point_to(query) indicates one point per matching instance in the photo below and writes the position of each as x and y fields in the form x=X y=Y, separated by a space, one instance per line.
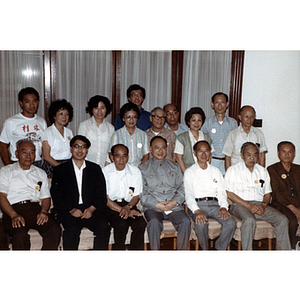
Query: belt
x=24 y=202
x=206 y=199
x=219 y=158
x=119 y=200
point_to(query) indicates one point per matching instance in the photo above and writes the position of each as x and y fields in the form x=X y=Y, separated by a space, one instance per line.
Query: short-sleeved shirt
x=237 y=137
x=60 y=145
x=19 y=127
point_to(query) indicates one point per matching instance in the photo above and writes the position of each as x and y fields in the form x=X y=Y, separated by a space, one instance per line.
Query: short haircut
x=164 y=108
x=248 y=144
x=202 y=141
x=94 y=101
x=26 y=91
x=58 y=105
x=219 y=94
x=155 y=109
x=193 y=111
x=285 y=142
x=20 y=142
x=246 y=106
x=158 y=137
x=135 y=87
x=128 y=107
x=81 y=138
x=113 y=148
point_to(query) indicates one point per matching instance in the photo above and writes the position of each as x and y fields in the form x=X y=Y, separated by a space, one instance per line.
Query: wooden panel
x=116 y=84
x=47 y=84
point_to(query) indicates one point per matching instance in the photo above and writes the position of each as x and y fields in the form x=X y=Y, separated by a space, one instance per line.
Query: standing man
x=124 y=184
x=218 y=127
x=79 y=195
x=244 y=133
x=24 y=125
x=163 y=196
x=158 y=118
x=22 y=188
x=136 y=94
x=172 y=116
x=206 y=198
x=248 y=187
x=285 y=182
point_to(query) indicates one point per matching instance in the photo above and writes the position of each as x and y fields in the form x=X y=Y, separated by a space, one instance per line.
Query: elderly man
x=248 y=187
x=79 y=195
x=22 y=188
x=172 y=116
x=163 y=196
x=244 y=133
x=206 y=198
x=285 y=182
x=158 y=118
x=124 y=184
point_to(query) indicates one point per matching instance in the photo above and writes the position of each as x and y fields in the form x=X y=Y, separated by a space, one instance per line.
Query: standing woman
x=97 y=129
x=56 y=138
x=184 y=154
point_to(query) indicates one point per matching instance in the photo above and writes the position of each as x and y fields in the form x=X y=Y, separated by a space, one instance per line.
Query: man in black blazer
x=79 y=196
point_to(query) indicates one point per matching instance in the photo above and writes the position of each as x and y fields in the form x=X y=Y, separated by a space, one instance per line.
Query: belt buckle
x=119 y=200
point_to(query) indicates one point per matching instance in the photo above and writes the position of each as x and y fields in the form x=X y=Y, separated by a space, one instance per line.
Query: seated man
x=172 y=117
x=124 y=184
x=248 y=187
x=163 y=195
x=79 y=196
x=285 y=180
x=206 y=198
x=158 y=118
x=22 y=187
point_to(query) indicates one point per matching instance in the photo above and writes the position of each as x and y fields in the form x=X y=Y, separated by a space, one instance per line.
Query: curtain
x=151 y=70
x=80 y=76
x=204 y=73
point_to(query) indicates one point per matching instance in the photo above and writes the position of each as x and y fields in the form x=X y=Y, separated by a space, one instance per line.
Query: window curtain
x=151 y=70
x=80 y=76
x=204 y=73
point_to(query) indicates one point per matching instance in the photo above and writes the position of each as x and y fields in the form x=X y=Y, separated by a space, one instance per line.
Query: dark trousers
x=121 y=226
x=3 y=237
x=19 y=237
x=293 y=223
x=97 y=223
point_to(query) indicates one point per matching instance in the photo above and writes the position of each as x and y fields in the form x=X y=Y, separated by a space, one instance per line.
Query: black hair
x=158 y=137
x=26 y=91
x=135 y=87
x=113 y=148
x=193 y=111
x=202 y=141
x=58 y=105
x=94 y=101
x=285 y=142
x=81 y=138
x=219 y=94
x=127 y=107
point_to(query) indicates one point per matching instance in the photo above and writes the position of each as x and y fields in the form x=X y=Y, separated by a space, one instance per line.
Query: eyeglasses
x=130 y=117
x=174 y=113
x=140 y=95
x=79 y=146
x=158 y=117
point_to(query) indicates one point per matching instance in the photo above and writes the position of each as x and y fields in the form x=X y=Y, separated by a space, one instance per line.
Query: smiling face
x=219 y=104
x=79 y=150
x=202 y=153
x=158 y=120
x=130 y=119
x=195 y=122
x=26 y=155
x=136 y=97
x=99 y=112
x=250 y=156
x=62 y=117
x=29 y=105
x=158 y=149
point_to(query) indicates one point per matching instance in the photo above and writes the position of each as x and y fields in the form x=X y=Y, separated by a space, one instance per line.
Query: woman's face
x=62 y=117
x=130 y=119
x=99 y=112
x=195 y=122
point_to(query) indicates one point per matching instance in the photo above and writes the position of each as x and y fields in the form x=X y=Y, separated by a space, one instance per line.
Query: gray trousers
x=179 y=219
x=271 y=215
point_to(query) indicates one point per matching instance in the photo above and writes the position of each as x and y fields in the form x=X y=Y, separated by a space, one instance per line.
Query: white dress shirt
x=249 y=186
x=78 y=174
x=199 y=183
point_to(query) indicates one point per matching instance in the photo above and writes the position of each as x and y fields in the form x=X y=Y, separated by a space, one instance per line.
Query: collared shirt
x=199 y=183
x=20 y=185
x=143 y=122
x=237 y=137
x=60 y=145
x=99 y=138
x=248 y=185
x=137 y=143
x=169 y=135
x=218 y=132
x=124 y=184
x=162 y=181
x=78 y=174
x=19 y=127
x=181 y=128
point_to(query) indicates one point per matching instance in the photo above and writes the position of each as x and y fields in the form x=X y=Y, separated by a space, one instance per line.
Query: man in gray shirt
x=163 y=196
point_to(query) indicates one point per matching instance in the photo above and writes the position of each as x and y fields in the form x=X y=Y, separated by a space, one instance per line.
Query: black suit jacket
x=64 y=188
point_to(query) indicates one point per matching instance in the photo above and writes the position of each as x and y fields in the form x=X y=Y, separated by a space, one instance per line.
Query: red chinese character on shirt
x=36 y=127
x=26 y=128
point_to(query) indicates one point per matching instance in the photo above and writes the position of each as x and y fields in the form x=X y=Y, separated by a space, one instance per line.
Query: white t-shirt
x=19 y=127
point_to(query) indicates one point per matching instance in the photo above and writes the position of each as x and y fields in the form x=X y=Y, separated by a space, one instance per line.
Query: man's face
x=120 y=157
x=202 y=153
x=158 y=119
x=29 y=105
x=79 y=150
x=136 y=97
x=250 y=156
x=220 y=105
x=286 y=153
x=26 y=155
x=159 y=149
x=172 y=114
x=247 y=117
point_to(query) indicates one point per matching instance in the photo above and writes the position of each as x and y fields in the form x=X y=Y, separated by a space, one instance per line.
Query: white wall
x=271 y=85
